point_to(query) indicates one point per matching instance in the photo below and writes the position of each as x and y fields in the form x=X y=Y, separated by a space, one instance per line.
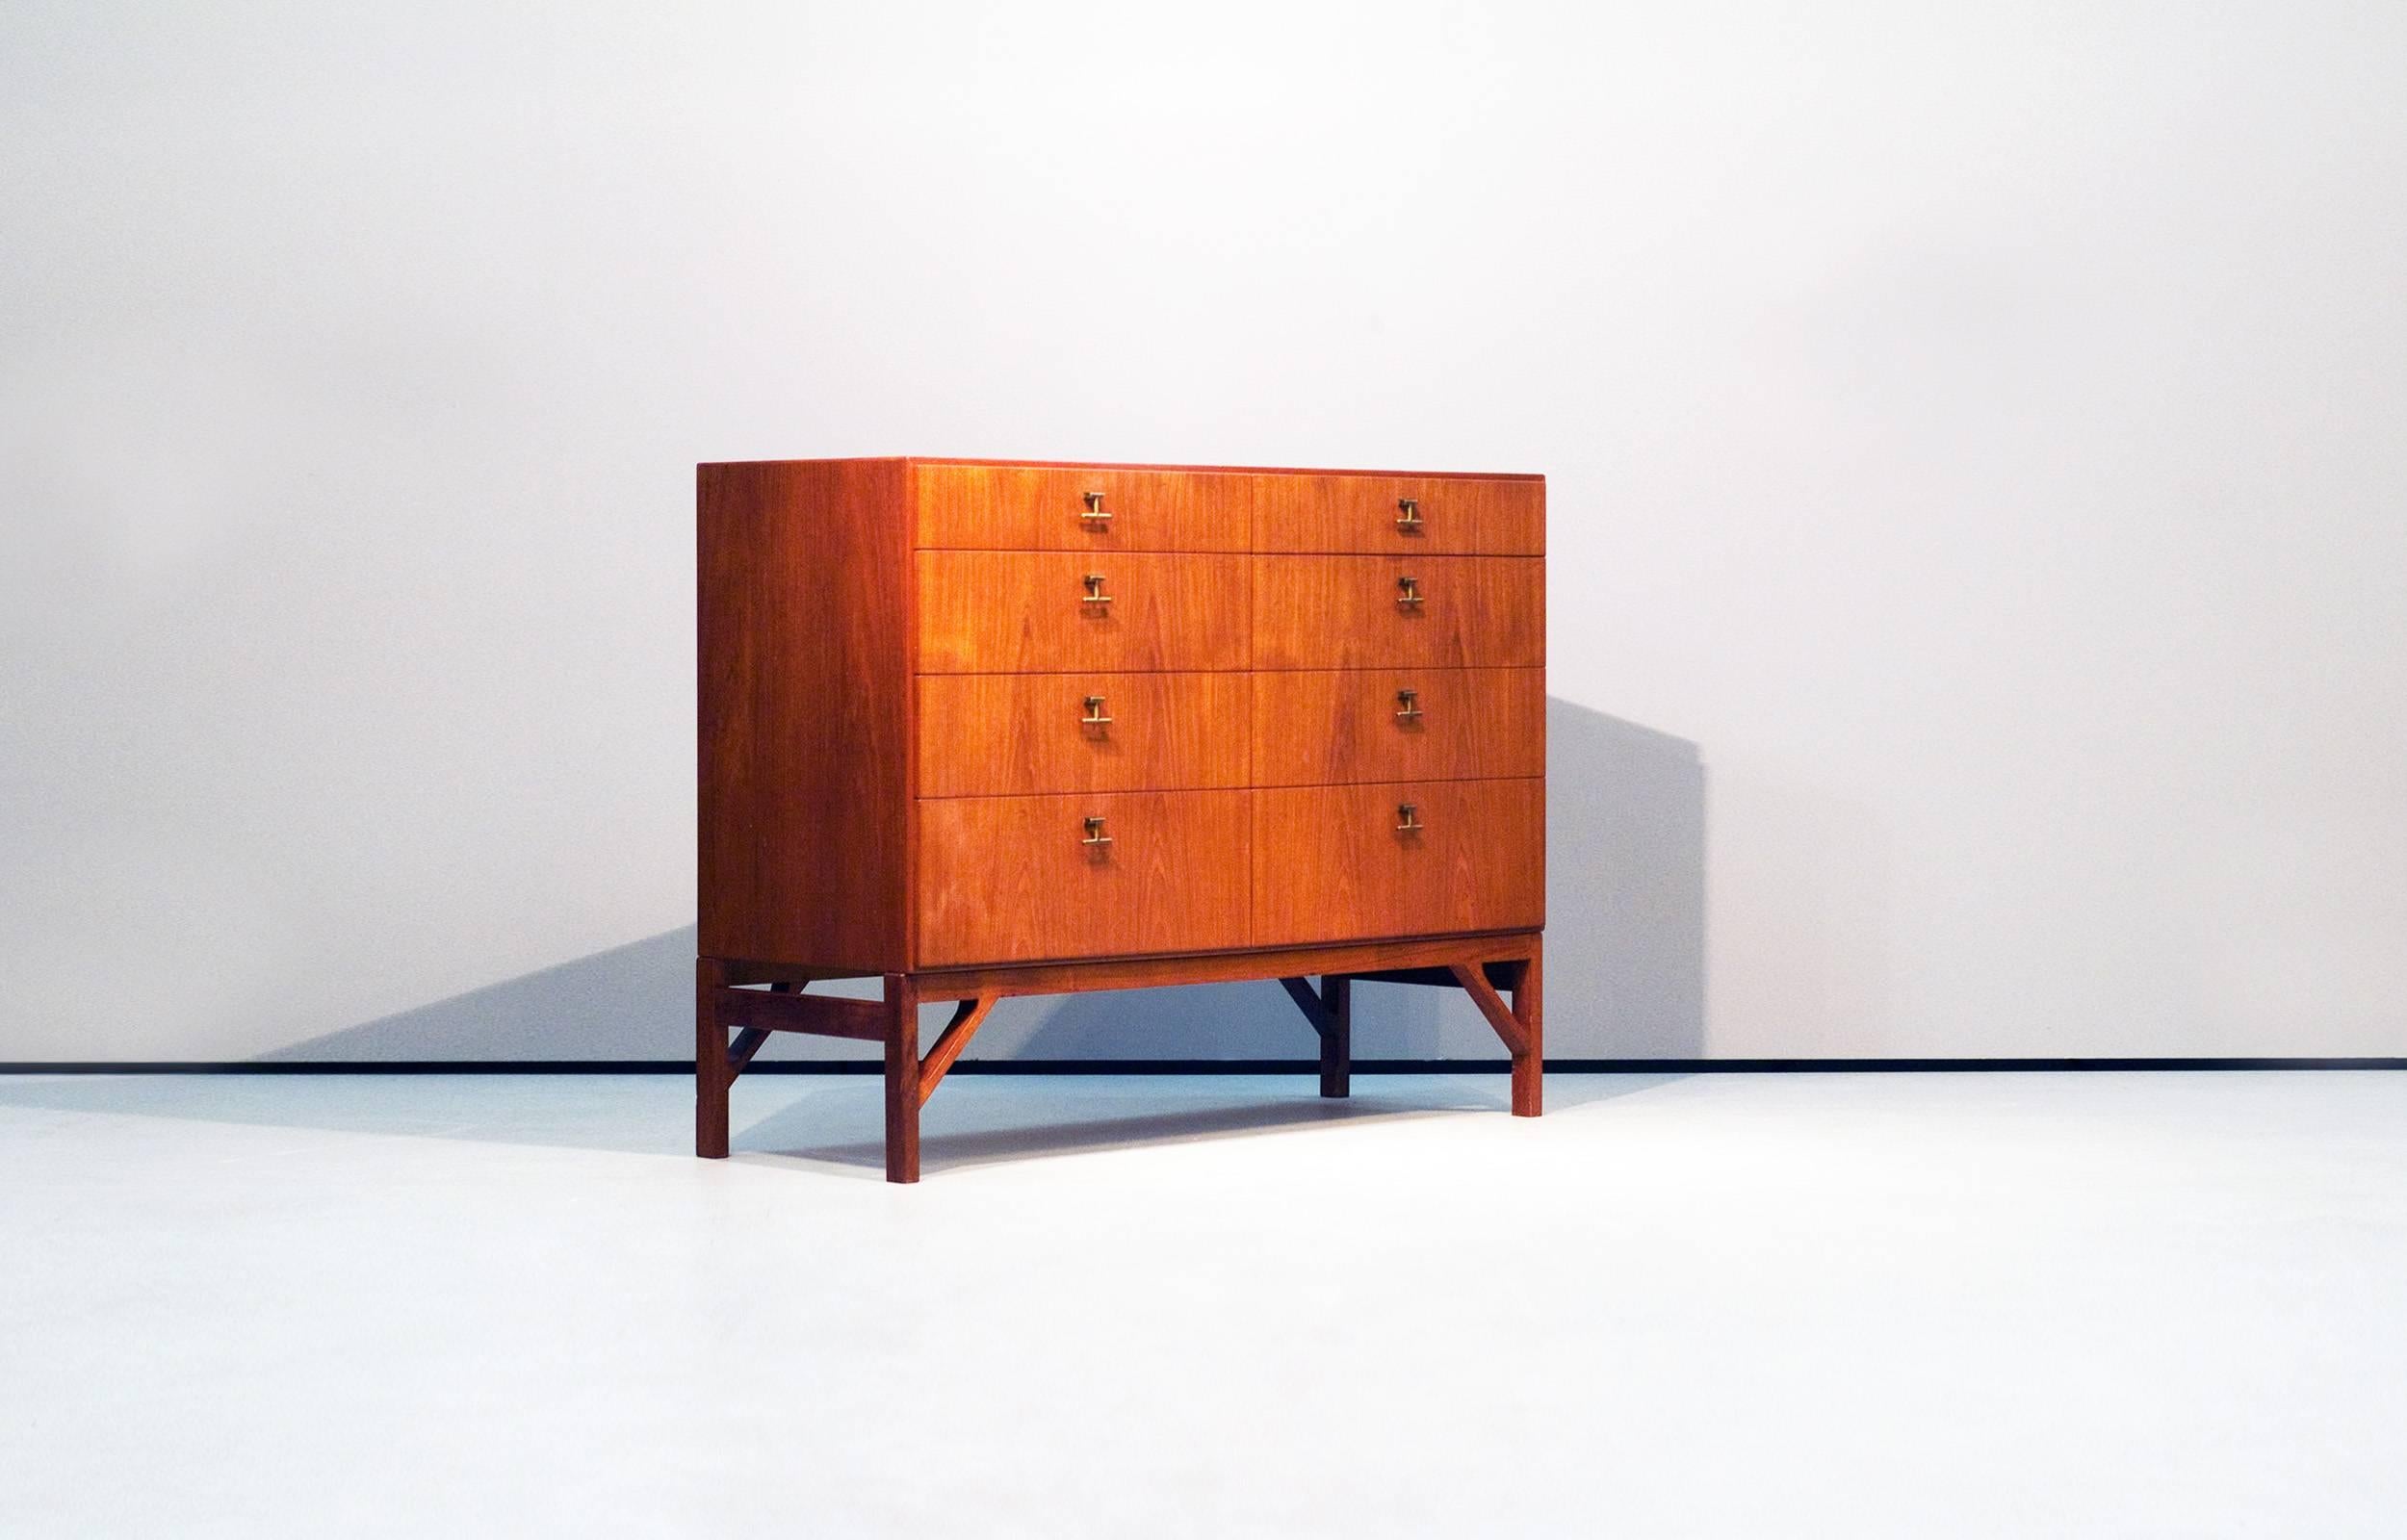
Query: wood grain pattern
x=1009 y=879
x=1529 y=1069
x=1343 y=612
x=1360 y=513
x=1027 y=508
x=712 y=1072
x=902 y=1079
x=1329 y=864
x=895 y=655
x=804 y=648
x=919 y=460
x=1314 y=727
x=1008 y=734
x=1354 y=959
x=823 y=1015
x=1023 y=612
x=747 y=971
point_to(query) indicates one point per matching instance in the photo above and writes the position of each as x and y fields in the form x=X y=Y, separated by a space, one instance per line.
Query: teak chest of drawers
x=985 y=729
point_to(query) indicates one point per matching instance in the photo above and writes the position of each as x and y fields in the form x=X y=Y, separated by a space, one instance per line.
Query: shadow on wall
x=1625 y=961
x=631 y=1002
x=1625 y=939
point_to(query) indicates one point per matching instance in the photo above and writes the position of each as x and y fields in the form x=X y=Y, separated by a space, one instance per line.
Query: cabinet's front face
x=1025 y=734
x=1345 y=727
x=1010 y=507
x=1046 y=613
x=1381 y=514
x=1381 y=611
x=1024 y=879
x=1181 y=711
x=1394 y=859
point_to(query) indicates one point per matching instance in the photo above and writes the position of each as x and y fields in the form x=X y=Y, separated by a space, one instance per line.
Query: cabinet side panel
x=804 y=648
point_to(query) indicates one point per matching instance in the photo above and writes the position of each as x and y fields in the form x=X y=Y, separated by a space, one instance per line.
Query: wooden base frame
x=1499 y=972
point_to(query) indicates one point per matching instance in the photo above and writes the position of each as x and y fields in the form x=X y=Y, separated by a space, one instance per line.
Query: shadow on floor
x=1625 y=961
x=801 y=1132
x=834 y=1121
x=999 y=1120
x=635 y=1115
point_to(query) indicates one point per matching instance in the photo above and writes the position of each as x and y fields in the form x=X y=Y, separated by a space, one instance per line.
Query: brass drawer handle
x=1408 y=592
x=1096 y=717
x=1095 y=838
x=1095 y=513
x=1408 y=515
x=1408 y=818
x=1408 y=707
x=1094 y=594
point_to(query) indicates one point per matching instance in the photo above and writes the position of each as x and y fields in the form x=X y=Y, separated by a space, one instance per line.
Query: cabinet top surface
x=1120 y=465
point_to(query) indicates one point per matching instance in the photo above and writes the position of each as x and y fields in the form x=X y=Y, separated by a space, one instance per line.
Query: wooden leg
x=902 y=1079
x=1337 y=1041
x=1529 y=1066
x=967 y=1016
x=712 y=1072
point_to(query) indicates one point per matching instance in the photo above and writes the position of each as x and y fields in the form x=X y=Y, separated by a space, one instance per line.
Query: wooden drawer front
x=1011 y=879
x=1367 y=513
x=1329 y=863
x=1027 y=612
x=1434 y=724
x=1351 y=612
x=1003 y=735
x=992 y=507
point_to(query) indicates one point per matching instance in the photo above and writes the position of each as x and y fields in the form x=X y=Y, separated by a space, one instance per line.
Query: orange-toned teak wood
x=981 y=729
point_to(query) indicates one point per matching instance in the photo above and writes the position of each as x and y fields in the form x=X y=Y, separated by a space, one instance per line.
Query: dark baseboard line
x=1206 y=1067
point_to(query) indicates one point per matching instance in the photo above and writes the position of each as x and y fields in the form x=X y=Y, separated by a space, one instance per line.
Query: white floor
x=1925 y=1305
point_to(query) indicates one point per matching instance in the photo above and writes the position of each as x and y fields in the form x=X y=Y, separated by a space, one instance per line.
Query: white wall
x=1980 y=431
